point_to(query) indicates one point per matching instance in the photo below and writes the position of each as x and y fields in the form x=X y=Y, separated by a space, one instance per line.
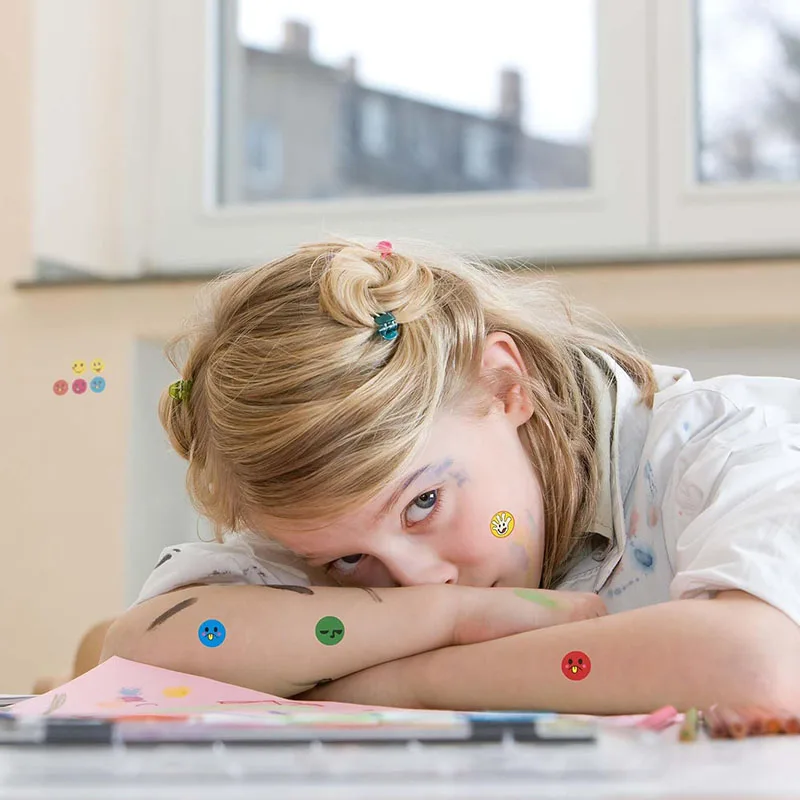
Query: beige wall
x=64 y=465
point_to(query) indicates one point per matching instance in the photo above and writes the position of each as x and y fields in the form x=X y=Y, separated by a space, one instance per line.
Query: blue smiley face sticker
x=97 y=384
x=211 y=633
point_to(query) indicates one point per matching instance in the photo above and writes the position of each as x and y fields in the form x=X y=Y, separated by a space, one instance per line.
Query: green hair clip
x=387 y=326
x=180 y=390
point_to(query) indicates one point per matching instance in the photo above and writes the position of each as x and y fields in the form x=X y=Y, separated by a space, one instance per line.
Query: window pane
x=415 y=98
x=748 y=90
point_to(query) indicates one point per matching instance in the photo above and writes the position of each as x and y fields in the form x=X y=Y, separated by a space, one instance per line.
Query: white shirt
x=698 y=495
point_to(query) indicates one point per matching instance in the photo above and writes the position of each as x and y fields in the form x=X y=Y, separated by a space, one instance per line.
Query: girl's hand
x=496 y=612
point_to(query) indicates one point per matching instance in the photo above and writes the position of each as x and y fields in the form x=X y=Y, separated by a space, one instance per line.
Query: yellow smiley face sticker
x=98 y=365
x=78 y=367
x=502 y=524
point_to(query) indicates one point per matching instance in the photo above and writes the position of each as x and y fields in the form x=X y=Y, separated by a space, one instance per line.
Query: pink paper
x=119 y=687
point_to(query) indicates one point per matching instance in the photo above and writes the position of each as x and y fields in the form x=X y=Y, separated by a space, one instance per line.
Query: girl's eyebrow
x=402 y=486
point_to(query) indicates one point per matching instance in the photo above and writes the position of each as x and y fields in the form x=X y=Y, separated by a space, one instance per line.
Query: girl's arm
x=733 y=650
x=275 y=639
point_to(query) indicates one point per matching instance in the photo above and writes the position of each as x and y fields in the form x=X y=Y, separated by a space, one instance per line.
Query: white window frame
x=751 y=218
x=188 y=232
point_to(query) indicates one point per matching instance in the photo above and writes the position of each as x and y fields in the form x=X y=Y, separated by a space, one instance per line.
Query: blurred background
x=646 y=152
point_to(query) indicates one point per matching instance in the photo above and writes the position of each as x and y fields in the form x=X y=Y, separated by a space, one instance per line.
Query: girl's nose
x=421 y=573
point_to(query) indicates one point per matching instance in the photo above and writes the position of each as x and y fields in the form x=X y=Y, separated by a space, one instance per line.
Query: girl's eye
x=346 y=564
x=421 y=508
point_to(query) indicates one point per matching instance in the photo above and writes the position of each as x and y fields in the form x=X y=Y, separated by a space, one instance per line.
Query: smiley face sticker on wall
x=79 y=386
x=79 y=367
x=502 y=524
x=329 y=630
x=60 y=387
x=98 y=365
x=97 y=384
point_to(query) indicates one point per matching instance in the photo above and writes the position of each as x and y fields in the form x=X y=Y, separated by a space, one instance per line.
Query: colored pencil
x=736 y=724
x=772 y=724
x=789 y=722
x=715 y=725
x=755 y=718
x=660 y=719
x=688 y=731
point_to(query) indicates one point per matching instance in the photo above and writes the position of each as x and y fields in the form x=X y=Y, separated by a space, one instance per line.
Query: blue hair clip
x=387 y=326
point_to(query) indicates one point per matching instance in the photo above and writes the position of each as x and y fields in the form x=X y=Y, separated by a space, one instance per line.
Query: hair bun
x=358 y=283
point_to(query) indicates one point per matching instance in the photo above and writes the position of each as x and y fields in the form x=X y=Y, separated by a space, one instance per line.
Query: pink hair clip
x=384 y=248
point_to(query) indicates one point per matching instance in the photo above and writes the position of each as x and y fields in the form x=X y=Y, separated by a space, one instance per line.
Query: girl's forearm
x=285 y=639
x=733 y=650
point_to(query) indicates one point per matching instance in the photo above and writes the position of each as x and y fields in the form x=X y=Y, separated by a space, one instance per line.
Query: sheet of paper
x=119 y=687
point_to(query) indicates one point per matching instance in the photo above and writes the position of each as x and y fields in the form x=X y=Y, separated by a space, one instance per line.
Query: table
x=621 y=764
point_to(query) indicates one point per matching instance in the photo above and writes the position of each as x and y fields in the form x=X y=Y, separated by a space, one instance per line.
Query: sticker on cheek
x=502 y=524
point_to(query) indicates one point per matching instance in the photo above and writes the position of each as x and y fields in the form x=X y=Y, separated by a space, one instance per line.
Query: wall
x=89 y=490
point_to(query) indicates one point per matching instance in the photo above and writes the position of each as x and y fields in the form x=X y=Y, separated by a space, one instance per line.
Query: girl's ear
x=500 y=352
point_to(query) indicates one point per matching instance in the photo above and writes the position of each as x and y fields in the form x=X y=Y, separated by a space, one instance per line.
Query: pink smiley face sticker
x=79 y=386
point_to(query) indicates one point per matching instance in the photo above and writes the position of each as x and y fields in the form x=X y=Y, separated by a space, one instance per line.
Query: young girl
x=452 y=473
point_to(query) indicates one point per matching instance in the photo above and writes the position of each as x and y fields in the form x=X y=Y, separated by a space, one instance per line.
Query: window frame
x=723 y=220
x=189 y=232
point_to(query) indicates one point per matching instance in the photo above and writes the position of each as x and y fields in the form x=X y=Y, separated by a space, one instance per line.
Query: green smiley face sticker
x=329 y=630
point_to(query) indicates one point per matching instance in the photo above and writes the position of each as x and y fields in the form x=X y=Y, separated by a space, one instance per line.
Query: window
x=511 y=111
x=577 y=130
x=264 y=159
x=374 y=127
x=727 y=141
x=748 y=90
x=479 y=152
x=505 y=144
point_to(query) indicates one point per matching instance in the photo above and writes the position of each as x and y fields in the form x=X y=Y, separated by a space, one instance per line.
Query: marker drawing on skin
x=289 y=588
x=170 y=612
x=371 y=592
x=535 y=597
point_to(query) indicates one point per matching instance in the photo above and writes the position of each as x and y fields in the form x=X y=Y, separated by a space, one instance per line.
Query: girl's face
x=442 y=522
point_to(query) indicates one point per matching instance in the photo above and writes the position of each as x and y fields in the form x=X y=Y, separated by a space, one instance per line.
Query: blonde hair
x=299 y=409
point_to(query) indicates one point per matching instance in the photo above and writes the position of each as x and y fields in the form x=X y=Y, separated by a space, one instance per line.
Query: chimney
x=511 y=96
x=297 y=38
x=350 y=69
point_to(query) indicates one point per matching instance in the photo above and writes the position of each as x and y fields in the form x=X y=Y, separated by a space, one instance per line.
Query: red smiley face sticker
x=60 y=387
x=576 y=665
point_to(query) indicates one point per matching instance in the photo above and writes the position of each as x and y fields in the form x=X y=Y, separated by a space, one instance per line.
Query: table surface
x=620 y=764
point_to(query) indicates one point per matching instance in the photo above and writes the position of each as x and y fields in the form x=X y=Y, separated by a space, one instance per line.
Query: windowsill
x=57 y=275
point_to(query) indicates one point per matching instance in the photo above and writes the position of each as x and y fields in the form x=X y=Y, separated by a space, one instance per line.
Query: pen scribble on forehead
x=170 y=612
x=442 y=466
x=460 y=477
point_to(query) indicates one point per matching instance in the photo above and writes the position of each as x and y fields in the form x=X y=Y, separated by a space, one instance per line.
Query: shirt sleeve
x=241 y=559
x=741 y=496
